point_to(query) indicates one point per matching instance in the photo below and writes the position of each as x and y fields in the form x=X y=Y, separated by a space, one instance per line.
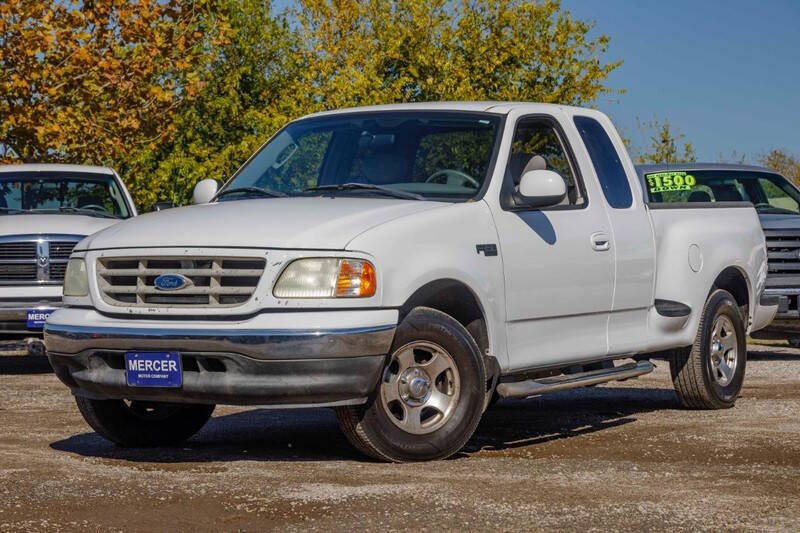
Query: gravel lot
x=621 y=456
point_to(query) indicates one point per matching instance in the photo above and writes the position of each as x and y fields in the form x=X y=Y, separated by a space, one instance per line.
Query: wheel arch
x=455 y=298
x=735 y=280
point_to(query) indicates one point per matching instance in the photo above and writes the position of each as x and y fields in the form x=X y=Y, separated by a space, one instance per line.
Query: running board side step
x=534 y=387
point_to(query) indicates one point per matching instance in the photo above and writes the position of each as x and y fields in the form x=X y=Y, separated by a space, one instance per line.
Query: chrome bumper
x=257 y=344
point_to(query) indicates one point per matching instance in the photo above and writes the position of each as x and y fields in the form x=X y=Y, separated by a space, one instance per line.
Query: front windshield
x=62 y=193
x=770 y=193
x=440 y=155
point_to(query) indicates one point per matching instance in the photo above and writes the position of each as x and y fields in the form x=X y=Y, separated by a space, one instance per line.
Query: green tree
x=359 y=52
x=238 y=107
x=665 y=146
x=785 y=163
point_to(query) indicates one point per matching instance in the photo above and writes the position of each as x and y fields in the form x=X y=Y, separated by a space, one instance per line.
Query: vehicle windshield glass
x=440 y=155
x=61 y=192
x=770 y=193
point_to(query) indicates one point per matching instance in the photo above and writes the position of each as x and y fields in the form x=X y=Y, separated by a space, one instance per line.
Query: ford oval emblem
x=171 y=282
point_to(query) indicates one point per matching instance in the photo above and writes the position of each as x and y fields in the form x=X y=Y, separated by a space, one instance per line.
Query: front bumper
x=326 y=358
x=786 y=323
x=13 y=315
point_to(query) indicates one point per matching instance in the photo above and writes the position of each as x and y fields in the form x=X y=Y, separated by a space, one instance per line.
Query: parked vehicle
x=401 y=264
x=777 y=202
x=44 y=211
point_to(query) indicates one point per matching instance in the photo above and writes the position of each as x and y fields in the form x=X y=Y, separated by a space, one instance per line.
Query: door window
x=537 y=146
x=606 y=163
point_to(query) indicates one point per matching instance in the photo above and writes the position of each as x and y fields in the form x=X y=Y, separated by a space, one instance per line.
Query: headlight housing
x=327 y=277
x=76 y=281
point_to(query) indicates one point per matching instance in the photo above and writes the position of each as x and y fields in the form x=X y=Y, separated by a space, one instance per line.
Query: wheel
x=709 y=374
x=141 y=424
x=431 y=395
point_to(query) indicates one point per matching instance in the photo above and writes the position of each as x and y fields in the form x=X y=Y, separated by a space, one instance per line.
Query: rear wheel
x=709 y=374
x=142 y=424
x=430 y=397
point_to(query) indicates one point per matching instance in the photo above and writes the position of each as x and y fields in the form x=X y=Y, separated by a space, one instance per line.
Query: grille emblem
x=43 y=260
x=171 y=282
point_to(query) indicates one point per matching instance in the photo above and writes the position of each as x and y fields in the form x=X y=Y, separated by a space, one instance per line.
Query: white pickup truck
x=44 y=211
x=403 y=264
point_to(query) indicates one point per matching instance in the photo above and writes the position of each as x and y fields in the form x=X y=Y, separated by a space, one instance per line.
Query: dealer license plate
x=153 y=369
x=34 y=318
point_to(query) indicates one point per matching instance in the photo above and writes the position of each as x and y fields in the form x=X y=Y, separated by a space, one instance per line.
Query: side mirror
x=160 y=206
x=542 y=188
x=204 y=191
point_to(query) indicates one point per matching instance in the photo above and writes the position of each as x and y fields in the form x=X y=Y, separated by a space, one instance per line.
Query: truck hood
x=321 y=223
x=25 y=224
x=783 y=221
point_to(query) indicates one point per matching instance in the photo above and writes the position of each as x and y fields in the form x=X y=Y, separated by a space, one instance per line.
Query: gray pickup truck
x=777 y=202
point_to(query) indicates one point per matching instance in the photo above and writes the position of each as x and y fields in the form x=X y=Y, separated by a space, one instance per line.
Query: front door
x=558 y=262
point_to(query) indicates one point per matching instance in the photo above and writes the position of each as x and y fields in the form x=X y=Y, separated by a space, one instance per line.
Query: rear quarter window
x=606 y=161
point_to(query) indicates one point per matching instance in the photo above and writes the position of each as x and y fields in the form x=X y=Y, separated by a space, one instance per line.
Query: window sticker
x=670 y=181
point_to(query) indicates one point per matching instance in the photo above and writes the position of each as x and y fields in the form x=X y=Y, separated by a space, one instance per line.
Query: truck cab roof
x=48 y=167
x=489 y=106
x=666 y=167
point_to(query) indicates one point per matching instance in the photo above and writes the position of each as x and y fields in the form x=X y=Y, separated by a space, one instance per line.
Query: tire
x=491 y=369
x=699 y=379
x=143 y=424
x=398 y=424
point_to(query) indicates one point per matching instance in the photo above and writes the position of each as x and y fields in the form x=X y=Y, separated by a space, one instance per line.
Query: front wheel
x=430 y=397
x=709 y=374
x=138 y=424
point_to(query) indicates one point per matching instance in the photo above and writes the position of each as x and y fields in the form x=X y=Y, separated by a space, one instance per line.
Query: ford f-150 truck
x=777 y=202
x=44 y=211
x=402 y=264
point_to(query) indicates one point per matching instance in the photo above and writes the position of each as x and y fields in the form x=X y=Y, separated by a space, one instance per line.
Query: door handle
x=601 y=241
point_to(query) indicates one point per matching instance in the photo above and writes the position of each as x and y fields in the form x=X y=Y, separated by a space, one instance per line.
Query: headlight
x=76 y=282
x=327 y=277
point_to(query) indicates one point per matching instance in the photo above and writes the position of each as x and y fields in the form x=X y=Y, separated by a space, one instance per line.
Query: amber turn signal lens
x=356 y=279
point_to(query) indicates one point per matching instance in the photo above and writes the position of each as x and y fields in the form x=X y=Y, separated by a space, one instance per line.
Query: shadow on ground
x=24 y=364
x=780 y=354
x=313 y=434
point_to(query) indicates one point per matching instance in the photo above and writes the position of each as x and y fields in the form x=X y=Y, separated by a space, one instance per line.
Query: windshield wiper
x=84 y=211
x=367 y=187
x=251 y=190
x=11 y=210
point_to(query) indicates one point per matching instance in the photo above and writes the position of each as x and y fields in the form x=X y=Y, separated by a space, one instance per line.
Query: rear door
x=634 y=246
x=558 y=262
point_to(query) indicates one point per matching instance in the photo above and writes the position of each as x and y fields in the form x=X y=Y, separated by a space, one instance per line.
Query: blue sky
x=725 y=73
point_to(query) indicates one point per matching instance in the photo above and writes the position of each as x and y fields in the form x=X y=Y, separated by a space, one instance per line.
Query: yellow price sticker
x=670 y=181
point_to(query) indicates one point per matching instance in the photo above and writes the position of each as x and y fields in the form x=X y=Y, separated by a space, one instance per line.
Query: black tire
x=477 y=329
x=371 y=430
x=692 y=368
x=143 y=424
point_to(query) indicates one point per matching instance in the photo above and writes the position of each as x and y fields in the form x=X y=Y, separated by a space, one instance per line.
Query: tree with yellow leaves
x=89 y=81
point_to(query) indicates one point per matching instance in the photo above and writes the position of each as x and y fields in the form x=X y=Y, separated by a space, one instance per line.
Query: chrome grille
x=35 y=259
x=61 y=249
x=17 y=250
x=213 y=281
x=783 y=258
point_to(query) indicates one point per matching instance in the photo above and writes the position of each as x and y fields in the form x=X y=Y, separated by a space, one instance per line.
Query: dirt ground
x=615 y=457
